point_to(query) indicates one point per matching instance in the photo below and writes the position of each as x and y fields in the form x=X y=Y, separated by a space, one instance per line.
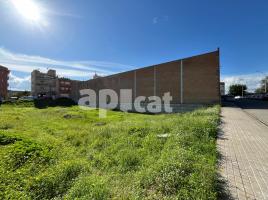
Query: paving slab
x=243 y=145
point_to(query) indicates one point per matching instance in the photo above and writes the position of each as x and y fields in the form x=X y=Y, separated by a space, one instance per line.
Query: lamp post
x=265 y=83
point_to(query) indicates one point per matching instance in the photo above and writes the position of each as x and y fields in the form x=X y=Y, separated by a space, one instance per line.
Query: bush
x=19 y=103
x=48 y=102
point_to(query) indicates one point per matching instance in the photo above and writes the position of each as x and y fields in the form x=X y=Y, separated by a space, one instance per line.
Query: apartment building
x=44 y=84
x=49 y=84
x=4 y=72
x=64 y=87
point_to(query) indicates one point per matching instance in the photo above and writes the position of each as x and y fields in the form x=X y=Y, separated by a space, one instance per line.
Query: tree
x=19 y=93
x=237 y=90
x=264 y=86
x=259 y=90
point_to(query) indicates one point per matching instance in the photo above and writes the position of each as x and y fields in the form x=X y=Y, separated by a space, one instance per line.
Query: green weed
x=69 y=153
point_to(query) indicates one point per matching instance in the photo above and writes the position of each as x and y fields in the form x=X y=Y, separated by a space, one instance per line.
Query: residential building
x=44 y=84
x=64 y=87
x=4 y=72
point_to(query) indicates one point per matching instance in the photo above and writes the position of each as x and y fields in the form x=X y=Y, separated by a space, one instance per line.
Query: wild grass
x=69 y=153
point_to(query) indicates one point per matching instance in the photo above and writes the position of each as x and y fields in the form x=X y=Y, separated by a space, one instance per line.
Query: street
x=256 y=108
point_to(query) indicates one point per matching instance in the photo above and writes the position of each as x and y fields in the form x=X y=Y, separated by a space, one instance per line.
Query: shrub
x=48 y=102
x=19 y=103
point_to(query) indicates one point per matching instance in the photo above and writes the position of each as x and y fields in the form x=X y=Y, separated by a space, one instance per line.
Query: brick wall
x=193 y=80
x=3 y=81
x=201 y=79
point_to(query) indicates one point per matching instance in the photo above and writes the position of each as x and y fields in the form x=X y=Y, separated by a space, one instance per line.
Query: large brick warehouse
x=192 y=81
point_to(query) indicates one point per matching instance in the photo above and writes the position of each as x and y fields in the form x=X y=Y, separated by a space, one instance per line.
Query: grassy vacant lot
x=69 y=153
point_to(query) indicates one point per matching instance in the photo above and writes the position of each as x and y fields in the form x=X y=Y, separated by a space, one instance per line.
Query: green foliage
x=129 y=159
x=237 y=90
x=45 y=103
x=22 y=151
x=20 y=93
x=69 y=153
x=264 y=84
x=89 y=187
x=167 y=178
x=19 y=103
x=56 y=181
x=5 y=140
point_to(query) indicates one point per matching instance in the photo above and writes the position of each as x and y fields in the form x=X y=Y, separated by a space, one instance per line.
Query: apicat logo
x=109 y=99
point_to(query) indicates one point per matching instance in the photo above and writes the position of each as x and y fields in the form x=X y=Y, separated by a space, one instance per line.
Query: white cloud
x=251 y=80
x=17 y=83
x=157 y=20
x=60 y=71
x=9 y=58
x=77 y=69
x=63 y=14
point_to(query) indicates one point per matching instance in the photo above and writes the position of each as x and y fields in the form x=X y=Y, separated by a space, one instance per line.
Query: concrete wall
x=192 y=81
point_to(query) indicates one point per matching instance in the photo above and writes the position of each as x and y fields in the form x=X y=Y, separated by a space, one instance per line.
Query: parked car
x=13 y=99
x=238 y=97
x=27 y=98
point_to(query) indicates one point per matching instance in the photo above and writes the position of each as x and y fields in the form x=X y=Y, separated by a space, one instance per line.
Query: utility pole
x=241 y=82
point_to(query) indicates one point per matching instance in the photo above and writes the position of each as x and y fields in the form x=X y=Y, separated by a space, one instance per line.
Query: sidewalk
x=243 y=145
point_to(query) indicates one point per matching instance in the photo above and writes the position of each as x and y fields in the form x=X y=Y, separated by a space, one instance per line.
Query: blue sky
x=80 y=37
